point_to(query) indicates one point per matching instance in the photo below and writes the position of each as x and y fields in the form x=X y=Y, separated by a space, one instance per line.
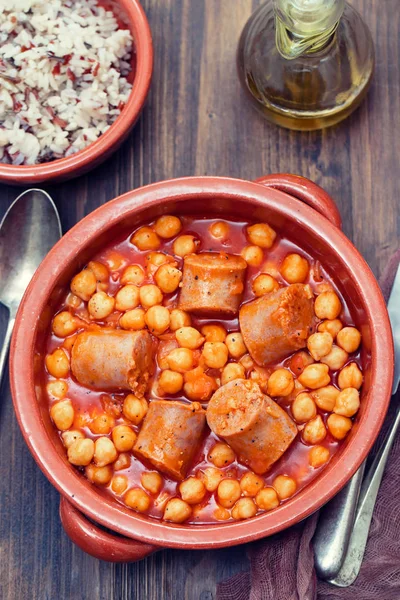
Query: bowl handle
x=97 y=542
x=305 y=190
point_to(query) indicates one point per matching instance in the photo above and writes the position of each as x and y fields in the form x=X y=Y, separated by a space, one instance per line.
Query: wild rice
x=63 y=77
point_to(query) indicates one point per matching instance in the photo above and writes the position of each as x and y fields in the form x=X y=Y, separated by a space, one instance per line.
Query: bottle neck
x=305 y=26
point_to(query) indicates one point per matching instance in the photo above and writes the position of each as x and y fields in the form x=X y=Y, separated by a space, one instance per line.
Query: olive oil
x=307 y=64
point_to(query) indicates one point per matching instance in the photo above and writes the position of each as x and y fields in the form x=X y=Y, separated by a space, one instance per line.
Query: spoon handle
x=6 y=345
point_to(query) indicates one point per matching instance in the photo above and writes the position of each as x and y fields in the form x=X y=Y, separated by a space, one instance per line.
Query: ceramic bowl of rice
x=74 y=75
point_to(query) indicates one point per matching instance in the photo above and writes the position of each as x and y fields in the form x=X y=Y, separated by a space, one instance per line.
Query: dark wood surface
x=197 y=121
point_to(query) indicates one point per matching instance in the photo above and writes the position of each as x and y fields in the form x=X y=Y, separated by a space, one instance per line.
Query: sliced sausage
x=170 y=436
x=278 y=323
x=255 y=426
x=110 y=359
x=212 y=283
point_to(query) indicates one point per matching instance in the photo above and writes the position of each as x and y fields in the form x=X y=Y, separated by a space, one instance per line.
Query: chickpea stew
x=200 y=370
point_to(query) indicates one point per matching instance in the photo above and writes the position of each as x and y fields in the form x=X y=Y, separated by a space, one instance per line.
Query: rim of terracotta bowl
x=94 y=153
x=106 y=511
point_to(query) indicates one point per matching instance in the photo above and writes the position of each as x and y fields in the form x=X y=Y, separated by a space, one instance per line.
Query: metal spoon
x=28 y=230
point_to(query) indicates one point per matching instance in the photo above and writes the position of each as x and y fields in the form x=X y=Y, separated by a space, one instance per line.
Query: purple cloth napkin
x=282 y=566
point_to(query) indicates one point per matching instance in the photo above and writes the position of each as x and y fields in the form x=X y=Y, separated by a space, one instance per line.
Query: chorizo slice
x=212 y=283
x=113 y=359
x=255 y=426
x=170 y=436
x=278 y=323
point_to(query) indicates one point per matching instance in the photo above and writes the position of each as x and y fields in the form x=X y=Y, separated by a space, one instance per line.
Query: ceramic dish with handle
x=290 y=204
x=129 y=14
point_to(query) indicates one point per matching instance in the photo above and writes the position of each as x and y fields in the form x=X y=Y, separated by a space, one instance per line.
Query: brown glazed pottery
x=290 y=204
x=130 y=15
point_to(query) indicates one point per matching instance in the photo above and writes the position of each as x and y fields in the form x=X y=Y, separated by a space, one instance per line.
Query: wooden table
x=198 y=122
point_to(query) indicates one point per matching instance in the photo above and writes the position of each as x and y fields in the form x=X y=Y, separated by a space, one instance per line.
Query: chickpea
x=267 y=499
x=295 y=268
x=73 y=301
x=219 y=230
x=133 y=319
x=215 y=354
x=102 y=424
x=327 y=306
x=314 y=431
x=253 y=255
x=228 y=492
x=177 y=511
x=232 y=371
x=349 y=338
x=81 y=452
x=303 y=408
x=134 y=409
x=84 y=284
x=167 y=226
x=123 y=438
x=319 y=344
x=325 y=397
x=247 y=362
x=350 y=376
x=180 y=360
x=285 y=486
x=101 y=305
x=57 y=363
x=137 y=499
x=331 y=326
x=315 y=376
x=157 y=319
x=127 y=297
x=99 y=475
x=214 y=333
x=145 y=239
x=251 y=484
x=189 y=337
x=336 y=358
x=133 y=274
x=185 y=244
x=152 y=482
x=199 y=386
x=69 y=342
x=168 y=278
x=318 y=456
x=150 y=295
x=261 y=235
x=280 y=383
x=71 y=436
x=104 y=452
x=212 y=477
x=264 y=284
x=123 y=462
x=64 y=324
x=244 y=509
x=99 y=270
x=339 y=426
x=179 y=319
x=192 y=490
x=299 y=361
x=115 y=261
x=235 y=344
x=221 y=514
x=221 y=455
x=57 y=389
x=63 y=414
x=171 y=382
x=119 y=484
x=347 y=402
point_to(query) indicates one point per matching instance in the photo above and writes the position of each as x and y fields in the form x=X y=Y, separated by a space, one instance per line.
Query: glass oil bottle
x=307 y=64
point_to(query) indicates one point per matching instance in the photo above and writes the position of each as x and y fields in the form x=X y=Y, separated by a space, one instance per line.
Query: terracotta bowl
x=130 y=14
x=292 y=205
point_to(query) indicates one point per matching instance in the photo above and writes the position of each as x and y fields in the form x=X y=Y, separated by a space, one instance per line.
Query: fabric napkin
x=282 y=566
